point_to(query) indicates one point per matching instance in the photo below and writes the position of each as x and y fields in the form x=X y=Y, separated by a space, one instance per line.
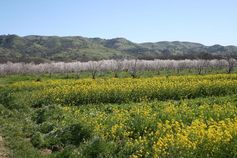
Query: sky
x=204 y=21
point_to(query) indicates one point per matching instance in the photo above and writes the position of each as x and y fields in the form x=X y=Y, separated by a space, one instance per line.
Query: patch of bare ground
x=3 y=150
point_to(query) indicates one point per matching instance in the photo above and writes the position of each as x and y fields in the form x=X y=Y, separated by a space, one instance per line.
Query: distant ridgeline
x=40 y=49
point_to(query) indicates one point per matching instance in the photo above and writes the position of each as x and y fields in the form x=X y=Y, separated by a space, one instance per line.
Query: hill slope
x=44 y=48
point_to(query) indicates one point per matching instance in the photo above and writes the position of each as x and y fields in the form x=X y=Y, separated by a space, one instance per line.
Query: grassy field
x=165 y=116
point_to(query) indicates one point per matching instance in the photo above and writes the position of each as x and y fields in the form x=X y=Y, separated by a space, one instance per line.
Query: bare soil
x=3 y=150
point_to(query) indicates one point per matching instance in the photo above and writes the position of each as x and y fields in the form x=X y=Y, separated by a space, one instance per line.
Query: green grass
x=8 y=79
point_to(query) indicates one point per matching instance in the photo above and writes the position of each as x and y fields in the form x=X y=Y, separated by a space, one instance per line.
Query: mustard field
x=89 y=91
x=170 y=116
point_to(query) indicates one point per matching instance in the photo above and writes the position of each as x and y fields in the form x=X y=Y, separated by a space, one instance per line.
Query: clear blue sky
x=205 y=21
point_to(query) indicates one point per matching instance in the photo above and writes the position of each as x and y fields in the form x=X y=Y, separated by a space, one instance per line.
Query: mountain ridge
x=36 y=48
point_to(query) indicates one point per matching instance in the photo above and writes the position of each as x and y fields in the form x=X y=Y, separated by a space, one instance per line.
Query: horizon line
x=171 y=41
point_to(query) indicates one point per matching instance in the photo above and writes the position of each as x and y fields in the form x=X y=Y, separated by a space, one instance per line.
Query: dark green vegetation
x=55 y=129
x=44 y=48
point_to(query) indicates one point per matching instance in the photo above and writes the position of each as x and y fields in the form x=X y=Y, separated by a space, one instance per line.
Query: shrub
x=38 y=140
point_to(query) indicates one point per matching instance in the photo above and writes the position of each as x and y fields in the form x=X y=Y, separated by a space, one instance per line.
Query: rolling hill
x=70 y=48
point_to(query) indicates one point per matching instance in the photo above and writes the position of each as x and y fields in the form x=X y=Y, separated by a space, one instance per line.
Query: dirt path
x=3 y=150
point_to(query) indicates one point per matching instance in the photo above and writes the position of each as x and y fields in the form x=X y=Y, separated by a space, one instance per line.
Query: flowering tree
x=116 y=66
x=231 y=63
x=94 y=67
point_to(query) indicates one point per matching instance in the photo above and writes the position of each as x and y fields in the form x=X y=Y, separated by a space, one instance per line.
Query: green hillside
x=45 y=48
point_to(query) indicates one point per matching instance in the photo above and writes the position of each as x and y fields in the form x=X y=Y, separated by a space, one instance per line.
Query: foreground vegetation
x=169 y=116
